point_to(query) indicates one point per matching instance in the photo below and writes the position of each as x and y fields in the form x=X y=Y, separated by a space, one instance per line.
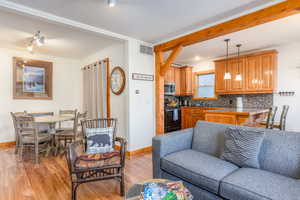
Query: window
x=204 y=85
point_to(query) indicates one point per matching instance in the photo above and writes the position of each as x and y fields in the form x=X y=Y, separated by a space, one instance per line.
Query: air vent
x=146 y=50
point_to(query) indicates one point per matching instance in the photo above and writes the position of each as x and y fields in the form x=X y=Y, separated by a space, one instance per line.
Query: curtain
x=95 y=89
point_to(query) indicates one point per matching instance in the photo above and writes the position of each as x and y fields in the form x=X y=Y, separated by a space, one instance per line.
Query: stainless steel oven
x=170 y=89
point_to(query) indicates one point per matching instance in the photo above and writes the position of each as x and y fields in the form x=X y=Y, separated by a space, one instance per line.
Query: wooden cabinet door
x=169 y=76
x=236 y=67
x=177 y=79
x=220 y=118
x=185 y=118
x=268 y=70
x=186 y=81
x=253 y=71
x=220 y=83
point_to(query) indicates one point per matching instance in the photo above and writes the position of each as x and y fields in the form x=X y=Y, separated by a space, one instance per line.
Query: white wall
x=119 y=107
x=141 y=106
x=66 y=90
x=135 y=112
x=289 y=80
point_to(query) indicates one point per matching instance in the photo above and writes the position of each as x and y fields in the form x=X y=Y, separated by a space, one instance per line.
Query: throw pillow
x=242 y=147
x=99 y=140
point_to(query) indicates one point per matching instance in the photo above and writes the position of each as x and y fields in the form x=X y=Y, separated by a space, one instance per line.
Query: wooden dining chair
x=84 y=168
x=44 y=128
x=281 y=125
x=30 y=139
x=66 y=112
x=70 y=135
x=270 y=119
x=14 y=118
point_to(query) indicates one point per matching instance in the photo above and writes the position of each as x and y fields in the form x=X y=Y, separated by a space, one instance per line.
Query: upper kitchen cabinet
x=258 y=72
x=261 y=72
x=177 y=78
x=186 y=85
x=221 y=83
x=169 y=75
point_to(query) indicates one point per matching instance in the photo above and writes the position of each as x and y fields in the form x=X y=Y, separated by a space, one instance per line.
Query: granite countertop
x=240 y=111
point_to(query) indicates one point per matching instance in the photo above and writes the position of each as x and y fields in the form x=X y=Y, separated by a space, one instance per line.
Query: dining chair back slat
x=271 y=117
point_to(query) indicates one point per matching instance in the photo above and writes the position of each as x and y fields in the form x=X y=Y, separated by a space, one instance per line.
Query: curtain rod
x=97 y=62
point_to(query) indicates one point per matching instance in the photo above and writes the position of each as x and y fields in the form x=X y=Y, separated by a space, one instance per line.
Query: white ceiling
x=62 y=41
x=148 y=20
x=270 y=35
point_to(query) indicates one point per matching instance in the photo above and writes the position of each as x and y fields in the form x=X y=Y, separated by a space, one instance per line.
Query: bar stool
x=282 y=123
x=270 y=119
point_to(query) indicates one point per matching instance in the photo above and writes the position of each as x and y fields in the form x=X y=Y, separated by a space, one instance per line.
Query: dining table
x=51 y=120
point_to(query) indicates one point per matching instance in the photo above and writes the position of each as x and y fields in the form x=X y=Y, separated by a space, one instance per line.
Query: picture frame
x=142 y=77
x=32 y=79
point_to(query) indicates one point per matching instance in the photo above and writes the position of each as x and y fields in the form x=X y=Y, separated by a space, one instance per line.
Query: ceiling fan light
x=111 y=3
x=227 y=76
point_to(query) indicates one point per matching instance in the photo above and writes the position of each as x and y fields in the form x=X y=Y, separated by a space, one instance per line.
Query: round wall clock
x=117 y=80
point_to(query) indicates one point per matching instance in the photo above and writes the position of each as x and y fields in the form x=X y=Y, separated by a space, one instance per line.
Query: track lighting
x=111 y=3
x=37 y=39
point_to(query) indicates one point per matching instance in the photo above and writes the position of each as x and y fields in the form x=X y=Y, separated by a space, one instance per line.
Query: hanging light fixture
x=111 y=3
x=238 y=76
x=227 y=74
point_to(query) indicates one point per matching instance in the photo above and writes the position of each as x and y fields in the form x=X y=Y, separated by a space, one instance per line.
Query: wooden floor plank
x=49 y=180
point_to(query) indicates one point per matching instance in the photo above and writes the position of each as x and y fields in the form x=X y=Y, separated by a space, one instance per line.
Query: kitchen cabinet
x=169 y=75
x=244 y=117
x=190 y=116
x=177 y=79
x=258 y=71
x=221 y=83
x=186 y=76
x=262 y=72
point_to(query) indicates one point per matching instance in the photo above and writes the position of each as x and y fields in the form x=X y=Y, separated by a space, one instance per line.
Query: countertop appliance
x=172 y=119
x=170 y=89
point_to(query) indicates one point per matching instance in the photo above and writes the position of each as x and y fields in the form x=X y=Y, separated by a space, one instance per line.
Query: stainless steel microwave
x=170 y=89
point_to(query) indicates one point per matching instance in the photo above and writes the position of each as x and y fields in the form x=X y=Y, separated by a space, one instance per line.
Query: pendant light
x=238 y=76
x=111 y=3
x=227 y=74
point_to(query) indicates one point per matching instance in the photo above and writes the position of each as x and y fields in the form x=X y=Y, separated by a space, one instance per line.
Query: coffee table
x=134 y=192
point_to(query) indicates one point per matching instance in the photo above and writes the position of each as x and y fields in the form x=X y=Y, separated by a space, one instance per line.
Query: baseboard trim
x=7 y=144
x=130 y=154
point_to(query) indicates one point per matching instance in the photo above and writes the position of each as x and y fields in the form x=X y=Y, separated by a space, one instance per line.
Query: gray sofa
x=192 y=155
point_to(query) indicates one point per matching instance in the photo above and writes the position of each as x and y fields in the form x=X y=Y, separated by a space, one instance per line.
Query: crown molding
x=59 y=20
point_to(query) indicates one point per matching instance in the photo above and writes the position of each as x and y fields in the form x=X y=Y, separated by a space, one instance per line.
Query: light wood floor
x=50 y=179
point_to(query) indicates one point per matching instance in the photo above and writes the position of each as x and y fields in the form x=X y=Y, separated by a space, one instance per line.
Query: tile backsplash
x=249 y=101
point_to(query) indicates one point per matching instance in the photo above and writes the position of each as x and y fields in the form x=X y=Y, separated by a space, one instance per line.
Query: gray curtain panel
x=95 y=90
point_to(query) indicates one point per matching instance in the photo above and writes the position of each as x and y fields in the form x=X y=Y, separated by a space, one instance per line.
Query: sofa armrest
x=169 y=143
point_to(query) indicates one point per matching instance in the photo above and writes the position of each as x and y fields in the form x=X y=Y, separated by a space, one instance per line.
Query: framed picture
x=32 y=79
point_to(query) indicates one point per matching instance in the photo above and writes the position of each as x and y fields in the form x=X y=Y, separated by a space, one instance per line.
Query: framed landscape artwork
x=32 y=79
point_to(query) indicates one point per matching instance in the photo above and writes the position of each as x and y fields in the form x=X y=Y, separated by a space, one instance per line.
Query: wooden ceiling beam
x=170 y=59
x=275 y=12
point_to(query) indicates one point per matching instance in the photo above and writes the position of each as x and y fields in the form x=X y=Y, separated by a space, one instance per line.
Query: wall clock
x=117 y=80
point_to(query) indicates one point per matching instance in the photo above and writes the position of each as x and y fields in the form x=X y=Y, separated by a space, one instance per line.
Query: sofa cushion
x=198 y=168
x=256 y=184
x=242 y=147
x=209 y=138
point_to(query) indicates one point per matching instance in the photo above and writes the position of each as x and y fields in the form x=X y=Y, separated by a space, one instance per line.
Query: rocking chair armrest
x=123 y=148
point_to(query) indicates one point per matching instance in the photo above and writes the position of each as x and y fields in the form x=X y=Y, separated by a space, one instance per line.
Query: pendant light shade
x=111 y=3
x=227 y=75
x=238 y=76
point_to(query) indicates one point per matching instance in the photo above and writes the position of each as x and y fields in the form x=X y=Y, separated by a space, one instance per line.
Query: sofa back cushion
x=280 y=150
